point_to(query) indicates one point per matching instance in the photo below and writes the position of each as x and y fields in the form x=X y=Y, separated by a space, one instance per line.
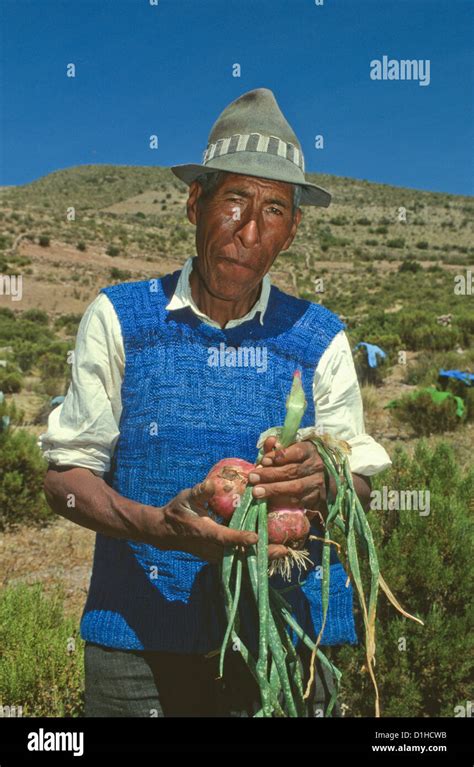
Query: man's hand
x=294 y=477
x=197 y=533
x=173 y=526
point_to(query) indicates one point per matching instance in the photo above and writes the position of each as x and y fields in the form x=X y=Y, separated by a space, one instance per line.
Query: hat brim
x=311 y=194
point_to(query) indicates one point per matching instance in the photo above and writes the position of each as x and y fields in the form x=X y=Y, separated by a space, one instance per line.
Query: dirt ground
x=60 y=553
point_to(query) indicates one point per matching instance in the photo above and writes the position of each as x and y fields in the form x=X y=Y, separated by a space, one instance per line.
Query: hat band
x=254 y=142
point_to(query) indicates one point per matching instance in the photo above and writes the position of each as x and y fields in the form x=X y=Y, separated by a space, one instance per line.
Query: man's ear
x=293 y=230
x=195 y=191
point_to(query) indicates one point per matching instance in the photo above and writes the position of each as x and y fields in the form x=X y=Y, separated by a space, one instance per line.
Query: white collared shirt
x=84 y=429
x=182 y=297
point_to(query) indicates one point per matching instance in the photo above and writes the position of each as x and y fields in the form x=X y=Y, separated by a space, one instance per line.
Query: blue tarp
x=372 y=353
x=466 y=378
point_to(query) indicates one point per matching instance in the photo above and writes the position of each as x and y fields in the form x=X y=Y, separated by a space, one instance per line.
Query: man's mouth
x=236 y=263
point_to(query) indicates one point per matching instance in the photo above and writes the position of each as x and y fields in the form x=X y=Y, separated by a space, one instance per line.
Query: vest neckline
x=167 y=285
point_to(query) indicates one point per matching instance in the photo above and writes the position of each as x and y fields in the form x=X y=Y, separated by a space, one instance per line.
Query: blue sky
x=167 y=70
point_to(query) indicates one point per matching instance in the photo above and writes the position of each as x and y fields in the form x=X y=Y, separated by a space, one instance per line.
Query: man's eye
x=277 y=210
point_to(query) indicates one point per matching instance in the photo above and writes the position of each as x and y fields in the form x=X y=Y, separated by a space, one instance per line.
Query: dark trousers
x=123 y=683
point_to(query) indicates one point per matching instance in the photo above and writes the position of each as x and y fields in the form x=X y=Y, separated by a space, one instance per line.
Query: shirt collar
x=182 y=297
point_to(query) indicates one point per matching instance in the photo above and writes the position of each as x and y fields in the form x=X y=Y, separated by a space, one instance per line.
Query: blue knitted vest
x=189 y=400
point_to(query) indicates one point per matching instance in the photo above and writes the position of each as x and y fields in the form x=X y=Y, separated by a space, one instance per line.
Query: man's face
x=241 y=227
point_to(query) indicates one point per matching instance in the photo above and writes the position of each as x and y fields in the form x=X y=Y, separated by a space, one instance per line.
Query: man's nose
x=248 y=232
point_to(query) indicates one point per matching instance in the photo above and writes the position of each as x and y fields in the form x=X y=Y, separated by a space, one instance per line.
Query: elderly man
x=147 y=415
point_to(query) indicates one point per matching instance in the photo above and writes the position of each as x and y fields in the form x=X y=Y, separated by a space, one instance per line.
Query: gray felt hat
x=252 y=136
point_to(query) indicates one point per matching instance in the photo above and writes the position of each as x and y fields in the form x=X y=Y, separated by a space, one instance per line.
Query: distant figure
x=369 y=375
x=372 y=353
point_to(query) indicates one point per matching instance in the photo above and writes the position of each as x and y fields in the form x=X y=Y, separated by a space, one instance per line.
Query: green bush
x=22 y=471
x=11 y=381
x=5 y=242
x=424 y=416
x=327 y=239
x=119 y=274
x=44 y=240
x=390 y=342
x=418 y=330
x=14 y=414
x=6 y=313
x=81 y=246
x=426 y=562
x=54 y=368
x=410 y=265
x=113 y=250
x=14 y=328
x=459 y=389
x=465 y=324
x=36 y=315
x=70 y=323
x=397 y=242
x=42 y=654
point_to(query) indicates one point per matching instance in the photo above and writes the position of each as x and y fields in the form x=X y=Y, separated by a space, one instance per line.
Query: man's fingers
x=203 y=489
x=262 y=474
x=200 y=494
x=230 y=537
x=296 y=453
x=269 y=444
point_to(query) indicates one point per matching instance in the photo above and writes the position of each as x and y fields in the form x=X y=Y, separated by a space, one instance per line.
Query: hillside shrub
x=425 y=417
x=421 y=671
x=42 y=654
x=11 y=380
x=22 y=470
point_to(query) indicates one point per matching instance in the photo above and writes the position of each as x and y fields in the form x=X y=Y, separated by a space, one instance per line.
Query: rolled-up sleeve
x=84 y=429
x=339 y=407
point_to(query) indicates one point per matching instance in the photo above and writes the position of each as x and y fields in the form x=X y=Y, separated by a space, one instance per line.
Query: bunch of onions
x=287 y=526
x=277 y=669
